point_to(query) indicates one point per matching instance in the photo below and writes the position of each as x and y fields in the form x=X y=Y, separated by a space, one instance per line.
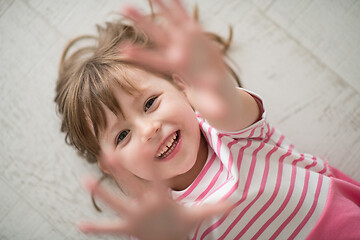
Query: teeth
x=169 y=143
x=166 y=146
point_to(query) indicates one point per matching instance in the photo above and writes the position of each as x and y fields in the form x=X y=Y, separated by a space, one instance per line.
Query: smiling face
x=157 y=130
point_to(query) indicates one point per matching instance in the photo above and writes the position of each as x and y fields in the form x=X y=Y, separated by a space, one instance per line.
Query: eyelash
x=121 y=136
x=151 y=101
x=124 y=133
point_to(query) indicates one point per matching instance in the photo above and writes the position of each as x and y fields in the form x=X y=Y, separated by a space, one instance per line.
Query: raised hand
x=180 y=45
x=149 y=213
x=182 y=49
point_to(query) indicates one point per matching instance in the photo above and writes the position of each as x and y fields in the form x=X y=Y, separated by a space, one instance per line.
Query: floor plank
x=302 y=57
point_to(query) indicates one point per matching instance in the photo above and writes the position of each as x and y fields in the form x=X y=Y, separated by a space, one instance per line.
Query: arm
x=196 y=65
x=240 y=110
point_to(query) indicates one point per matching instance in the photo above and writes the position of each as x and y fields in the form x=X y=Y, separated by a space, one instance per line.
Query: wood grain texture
x=302 y=57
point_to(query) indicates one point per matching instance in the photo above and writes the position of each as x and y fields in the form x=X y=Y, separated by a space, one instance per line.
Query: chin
x=189 y=164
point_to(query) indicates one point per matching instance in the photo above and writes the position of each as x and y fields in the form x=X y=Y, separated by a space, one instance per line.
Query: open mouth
x=169 y=146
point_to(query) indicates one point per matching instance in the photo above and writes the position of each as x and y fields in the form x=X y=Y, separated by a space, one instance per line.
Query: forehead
x=135 y=83
x=144 y=80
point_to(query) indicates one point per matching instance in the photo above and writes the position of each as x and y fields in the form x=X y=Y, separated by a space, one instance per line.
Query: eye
x=149 y=103
x=122 y=136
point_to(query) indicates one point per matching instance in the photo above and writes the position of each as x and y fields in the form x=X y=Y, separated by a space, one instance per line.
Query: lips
x=169 y=145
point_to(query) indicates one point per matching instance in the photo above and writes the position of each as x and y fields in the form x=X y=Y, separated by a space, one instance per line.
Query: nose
x=149 y=129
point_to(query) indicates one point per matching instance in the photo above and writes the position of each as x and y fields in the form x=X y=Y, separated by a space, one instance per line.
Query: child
x=160 y=110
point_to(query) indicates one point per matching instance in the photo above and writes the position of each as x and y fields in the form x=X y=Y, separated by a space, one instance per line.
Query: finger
x=155 y=33
x=114 y=202
x=181 y=9
x=165 y=10
x=172 y=13
x=113 y=227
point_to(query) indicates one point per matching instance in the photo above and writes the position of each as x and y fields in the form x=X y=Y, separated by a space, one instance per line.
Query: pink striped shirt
x=277 y=192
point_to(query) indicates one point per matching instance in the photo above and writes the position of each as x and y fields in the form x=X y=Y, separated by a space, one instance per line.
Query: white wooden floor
x=303 y=57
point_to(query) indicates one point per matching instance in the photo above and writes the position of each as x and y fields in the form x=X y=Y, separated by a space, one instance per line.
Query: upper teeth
x=167 y=145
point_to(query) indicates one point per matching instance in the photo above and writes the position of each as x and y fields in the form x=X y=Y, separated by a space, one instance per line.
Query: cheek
x=134 y=160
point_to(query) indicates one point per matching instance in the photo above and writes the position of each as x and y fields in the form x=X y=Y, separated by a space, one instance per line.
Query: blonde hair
x=87 y=77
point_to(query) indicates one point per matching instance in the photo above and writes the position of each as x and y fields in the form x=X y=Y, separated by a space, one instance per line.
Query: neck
x=187 y=178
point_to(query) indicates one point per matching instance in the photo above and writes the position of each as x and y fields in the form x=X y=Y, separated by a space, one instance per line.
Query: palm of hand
x=150 y=214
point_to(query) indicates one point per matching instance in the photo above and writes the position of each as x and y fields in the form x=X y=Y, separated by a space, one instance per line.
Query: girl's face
x=158 y=130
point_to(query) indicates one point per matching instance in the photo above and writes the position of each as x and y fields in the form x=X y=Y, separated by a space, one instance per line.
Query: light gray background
x=302 y=57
